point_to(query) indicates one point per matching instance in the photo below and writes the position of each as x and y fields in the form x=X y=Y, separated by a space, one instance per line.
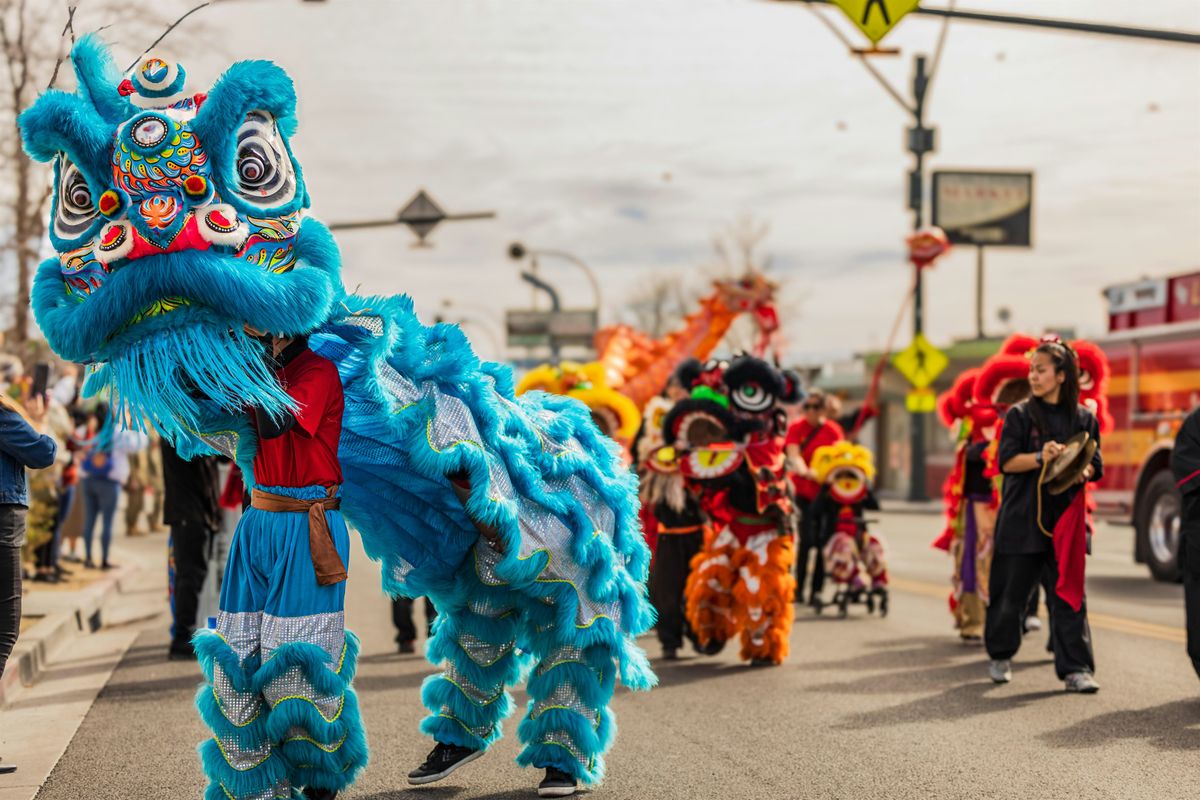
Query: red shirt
x=307 y=455
x=798 y=433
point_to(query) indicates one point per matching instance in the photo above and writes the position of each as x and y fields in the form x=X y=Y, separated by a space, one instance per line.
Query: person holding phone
x=23 y=445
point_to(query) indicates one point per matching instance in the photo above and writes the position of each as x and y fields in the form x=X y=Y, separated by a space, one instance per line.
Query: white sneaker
x=1081 y=683
x=1032 y=624
x=1000 y=670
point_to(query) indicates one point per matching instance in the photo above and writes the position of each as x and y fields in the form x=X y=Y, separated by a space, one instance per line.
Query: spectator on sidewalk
x=50 y=493
x=191 y=507
x=22 y=445
x=78 y=443
x=105 y=471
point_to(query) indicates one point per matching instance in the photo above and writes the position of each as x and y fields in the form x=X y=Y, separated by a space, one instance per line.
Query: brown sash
x=326 y=561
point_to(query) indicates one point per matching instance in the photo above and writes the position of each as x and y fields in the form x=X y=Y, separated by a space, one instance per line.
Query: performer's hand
x=493 y=539
x=1051 y=451
x=1088 y=472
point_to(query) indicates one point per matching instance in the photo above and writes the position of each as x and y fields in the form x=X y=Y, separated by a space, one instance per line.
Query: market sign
x=993 y=209
x=876 y=18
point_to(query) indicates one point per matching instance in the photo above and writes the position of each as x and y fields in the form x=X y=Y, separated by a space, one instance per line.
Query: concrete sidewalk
x=62 y=614
x=61 y=663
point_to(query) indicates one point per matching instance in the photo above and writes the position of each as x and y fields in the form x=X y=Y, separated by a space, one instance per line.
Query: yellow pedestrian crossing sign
x=876 y=17
x=920 y=362
x=921 y=401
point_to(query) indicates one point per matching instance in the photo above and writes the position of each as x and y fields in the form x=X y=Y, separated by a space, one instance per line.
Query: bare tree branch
x=61 y=40
x=164 y=34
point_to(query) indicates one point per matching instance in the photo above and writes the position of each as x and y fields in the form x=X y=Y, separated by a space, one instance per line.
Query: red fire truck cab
x=1153 y=346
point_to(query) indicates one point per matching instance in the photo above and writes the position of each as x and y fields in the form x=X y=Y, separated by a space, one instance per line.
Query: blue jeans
x=99 y=500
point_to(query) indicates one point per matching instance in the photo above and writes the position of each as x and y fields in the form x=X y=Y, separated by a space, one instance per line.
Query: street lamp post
x=518 y=251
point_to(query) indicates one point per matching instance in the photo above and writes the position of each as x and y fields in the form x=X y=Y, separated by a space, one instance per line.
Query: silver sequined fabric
x=224 y=443
x=563 y=739
x=486 y=560
x=294 y=684
x=488 y=607
x=240 y=708
x=281 y=791
x=327 y=631
x=452 y=423
x=481 y=731
x=480 y=696
x=240 y=631
x=567 y=654
x=564 y=696
x=401 y=388
x=243 y=759
x=370 y=322
x=481 y=652
x=401 y=571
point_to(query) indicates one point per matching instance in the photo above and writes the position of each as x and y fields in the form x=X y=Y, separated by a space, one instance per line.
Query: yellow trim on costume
x=225 y=755
x=334 y=718
x=464 y=725
x=451 y=446
x=332 y=748
x=456 y=685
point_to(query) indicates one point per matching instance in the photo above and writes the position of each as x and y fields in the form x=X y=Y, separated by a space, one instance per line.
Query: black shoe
x=63 y=572
x=407 y=647
x=47 y=577
x=761 y=662
x=313 y=793
x=444 y=759
x=557 y=784
x=670 y=654
x=181 y=651
x=106 y=566
x=7 y=768
x=89 y=564
x=712 y=648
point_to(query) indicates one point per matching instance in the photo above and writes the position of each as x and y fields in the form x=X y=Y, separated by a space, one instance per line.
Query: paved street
x=865 y=707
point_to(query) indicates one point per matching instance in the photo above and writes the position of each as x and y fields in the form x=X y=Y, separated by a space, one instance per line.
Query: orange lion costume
x=727 y=438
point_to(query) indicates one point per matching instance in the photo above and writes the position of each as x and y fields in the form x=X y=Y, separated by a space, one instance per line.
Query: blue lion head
x=178 y=219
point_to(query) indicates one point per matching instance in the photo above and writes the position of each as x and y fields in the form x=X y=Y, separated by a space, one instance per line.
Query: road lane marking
x=1106 y=622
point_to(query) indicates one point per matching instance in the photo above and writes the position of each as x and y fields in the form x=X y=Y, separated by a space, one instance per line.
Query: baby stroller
x=855 y=558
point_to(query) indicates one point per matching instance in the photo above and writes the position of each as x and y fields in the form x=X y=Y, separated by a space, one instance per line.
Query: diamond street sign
x=876 y=18
x=920 y=362
x=421 y=215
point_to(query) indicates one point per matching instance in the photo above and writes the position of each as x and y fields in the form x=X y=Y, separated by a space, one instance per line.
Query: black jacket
x=1017 y=530
x=1185 y=463
x=191 y=489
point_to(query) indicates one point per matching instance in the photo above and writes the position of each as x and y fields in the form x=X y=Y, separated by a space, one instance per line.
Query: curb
x=59 y=626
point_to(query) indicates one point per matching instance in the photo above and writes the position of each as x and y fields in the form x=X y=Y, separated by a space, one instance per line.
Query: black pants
x=668 y=576
x=190 y=541
x=10 y=600
x=1189 y=562
x=402 y=618
x=1012 y=579
x=809 y=541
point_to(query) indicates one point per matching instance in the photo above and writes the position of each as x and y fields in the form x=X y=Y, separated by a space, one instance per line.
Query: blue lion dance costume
x=179 y=220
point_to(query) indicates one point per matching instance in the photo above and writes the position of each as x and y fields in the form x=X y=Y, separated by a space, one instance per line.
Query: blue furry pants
x=279 y=666
x=488 y=635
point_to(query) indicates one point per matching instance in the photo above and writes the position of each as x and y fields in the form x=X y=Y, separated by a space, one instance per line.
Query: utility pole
x=921 y=140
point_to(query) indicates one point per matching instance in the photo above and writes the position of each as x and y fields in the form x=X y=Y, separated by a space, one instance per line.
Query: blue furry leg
x=239 y=760
x=476 y=640
x=314 y=716
x=568 y=724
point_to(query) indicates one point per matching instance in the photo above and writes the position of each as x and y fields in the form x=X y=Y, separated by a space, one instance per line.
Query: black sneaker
x=313 y=793
x=670 y=654
x=407 y=647
x=5 y=769
x=444 y=759
x=557 y=784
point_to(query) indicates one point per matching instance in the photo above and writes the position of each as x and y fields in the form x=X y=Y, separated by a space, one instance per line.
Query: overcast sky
x=630 y=131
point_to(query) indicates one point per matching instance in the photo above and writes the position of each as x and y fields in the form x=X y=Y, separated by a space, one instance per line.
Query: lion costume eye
x=752 y=397
x=75 y=210
x=263 y=168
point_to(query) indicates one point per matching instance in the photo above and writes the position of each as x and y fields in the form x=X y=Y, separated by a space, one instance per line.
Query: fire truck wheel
x=1158 y=527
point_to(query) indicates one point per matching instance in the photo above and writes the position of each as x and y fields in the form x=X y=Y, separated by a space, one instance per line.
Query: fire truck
x=1153 y=346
